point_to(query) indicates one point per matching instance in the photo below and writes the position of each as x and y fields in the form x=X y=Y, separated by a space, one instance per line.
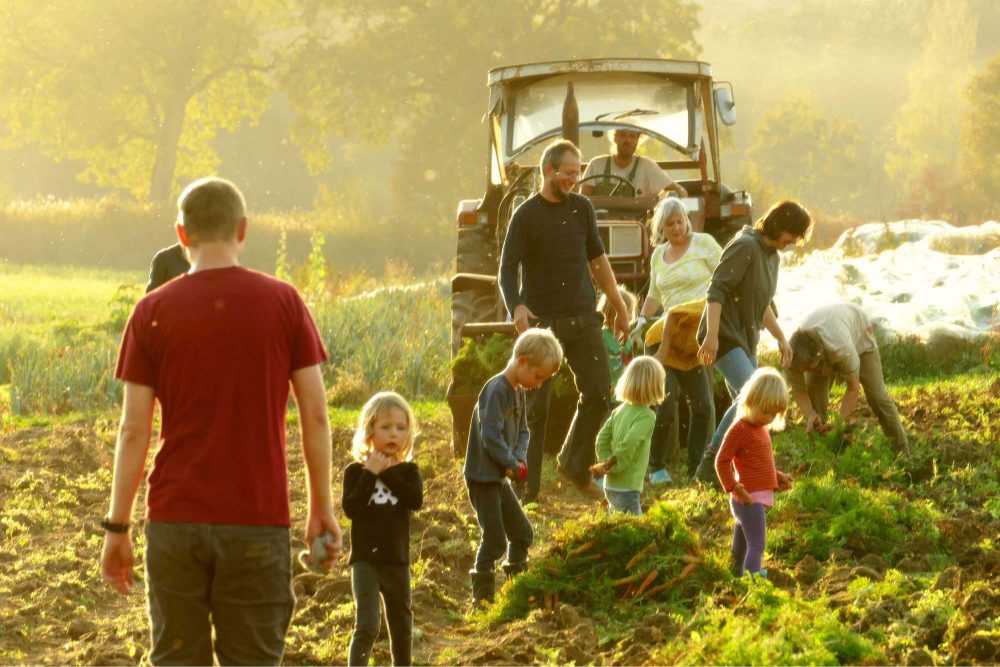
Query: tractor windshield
x=668 y=109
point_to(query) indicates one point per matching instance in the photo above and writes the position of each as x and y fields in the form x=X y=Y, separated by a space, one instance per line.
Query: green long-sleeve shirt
x=626 y=435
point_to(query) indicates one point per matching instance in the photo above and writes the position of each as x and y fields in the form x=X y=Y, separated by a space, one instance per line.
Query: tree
x=413 y=76
x=923 y=164
x=980 y=141
x=136 y=90
x=798 y=152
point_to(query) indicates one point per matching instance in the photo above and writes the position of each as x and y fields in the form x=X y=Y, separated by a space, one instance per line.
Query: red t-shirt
x=218 y=347
x=747 y=447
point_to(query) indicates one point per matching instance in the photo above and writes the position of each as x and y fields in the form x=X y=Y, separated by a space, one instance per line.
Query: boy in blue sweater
x=496 y=453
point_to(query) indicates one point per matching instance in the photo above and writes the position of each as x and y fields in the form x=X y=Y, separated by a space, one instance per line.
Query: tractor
x=675 y=106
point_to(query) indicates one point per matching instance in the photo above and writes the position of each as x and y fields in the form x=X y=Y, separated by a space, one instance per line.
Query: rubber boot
x=483 y=587
x=706 y=469
x=513 y=569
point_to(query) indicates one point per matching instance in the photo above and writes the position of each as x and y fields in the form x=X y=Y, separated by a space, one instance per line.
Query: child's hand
x=603 y=467
x=377 y=462
x=784 y=481
x=742 y=494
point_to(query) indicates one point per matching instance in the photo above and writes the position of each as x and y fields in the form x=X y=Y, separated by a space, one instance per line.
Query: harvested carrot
x=583 y=548
x=631 y=579
x=555 y=599
x=650 y=578
x=552 y=569
x=628 y=591
x=547 y=600
x=654 y=590
x=687 y=558
x=688 y=569
x=639 y=556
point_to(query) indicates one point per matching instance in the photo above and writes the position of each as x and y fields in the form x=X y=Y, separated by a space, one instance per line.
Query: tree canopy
x=980 y=141
x=413 y=76
x=134 y=89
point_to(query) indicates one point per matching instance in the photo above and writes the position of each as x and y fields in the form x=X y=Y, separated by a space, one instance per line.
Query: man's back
x=218 y=347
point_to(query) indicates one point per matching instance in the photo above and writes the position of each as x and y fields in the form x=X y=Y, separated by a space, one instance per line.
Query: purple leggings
x=749 y=535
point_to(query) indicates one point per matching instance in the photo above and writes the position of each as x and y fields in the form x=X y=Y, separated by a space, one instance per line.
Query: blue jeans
x=749 y=536
x=737 y=367
x=623 y=501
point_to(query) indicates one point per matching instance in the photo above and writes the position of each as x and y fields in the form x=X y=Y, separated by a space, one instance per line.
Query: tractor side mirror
x=725 y=103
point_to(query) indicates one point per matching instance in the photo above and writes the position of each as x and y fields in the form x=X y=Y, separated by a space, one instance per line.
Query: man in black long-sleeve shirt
x=553 y=240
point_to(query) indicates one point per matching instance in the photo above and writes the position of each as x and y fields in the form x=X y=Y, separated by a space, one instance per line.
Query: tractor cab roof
x=663 y=99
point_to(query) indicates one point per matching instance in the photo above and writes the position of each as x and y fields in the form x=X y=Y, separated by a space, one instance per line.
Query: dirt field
x=54 y=610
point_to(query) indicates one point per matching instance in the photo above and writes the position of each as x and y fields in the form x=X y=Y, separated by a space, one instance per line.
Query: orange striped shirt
x=747 y=448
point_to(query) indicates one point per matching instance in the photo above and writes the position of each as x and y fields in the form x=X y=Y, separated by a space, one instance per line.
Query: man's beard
x=556 y=193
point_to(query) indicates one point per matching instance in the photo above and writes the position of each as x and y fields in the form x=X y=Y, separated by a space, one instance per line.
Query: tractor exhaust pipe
x=571 y=117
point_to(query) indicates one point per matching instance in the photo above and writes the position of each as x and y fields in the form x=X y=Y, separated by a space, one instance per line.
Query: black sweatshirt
x=553 y=245
x=379 y=510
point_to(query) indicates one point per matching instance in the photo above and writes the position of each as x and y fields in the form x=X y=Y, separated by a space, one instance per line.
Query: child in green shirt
x=623 y=443
x=618 y=354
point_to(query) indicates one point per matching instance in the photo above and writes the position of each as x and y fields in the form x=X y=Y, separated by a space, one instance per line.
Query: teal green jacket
x=626 y=435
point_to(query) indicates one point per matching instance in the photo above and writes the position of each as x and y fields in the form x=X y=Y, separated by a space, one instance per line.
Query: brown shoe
x=587 y=488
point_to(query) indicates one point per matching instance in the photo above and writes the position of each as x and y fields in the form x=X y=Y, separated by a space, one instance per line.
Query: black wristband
x=114 y=527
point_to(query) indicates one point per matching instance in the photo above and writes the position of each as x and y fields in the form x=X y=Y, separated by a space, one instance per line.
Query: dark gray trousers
x=374 y=584
x=236 y=579
x=505 y=527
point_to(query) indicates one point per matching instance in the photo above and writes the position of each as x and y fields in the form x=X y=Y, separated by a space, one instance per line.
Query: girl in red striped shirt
x=747 y=448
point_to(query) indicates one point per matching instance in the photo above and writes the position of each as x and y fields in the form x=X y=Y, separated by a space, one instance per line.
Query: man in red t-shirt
x=218 y=347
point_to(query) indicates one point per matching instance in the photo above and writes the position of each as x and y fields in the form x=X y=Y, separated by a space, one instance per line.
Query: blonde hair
x=539 y=347
x=607 y=309
x=643 y=382
x=667 y=207
x=765 y=391
x=378 y=405
x=210 y=209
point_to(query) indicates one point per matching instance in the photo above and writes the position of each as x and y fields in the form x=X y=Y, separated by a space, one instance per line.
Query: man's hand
x=786 y=353
x=709 y=350
x=621 y=322
x=377 y=462
x=118 y=562
x=325 y=522
x=522 y=318
x=742 y=495
x=815 y=423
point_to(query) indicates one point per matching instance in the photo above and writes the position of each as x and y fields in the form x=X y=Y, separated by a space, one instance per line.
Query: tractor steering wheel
x=614 y=190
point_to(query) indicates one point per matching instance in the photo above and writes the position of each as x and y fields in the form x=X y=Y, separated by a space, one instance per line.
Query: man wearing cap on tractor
x=644 y=176
x=837 y=341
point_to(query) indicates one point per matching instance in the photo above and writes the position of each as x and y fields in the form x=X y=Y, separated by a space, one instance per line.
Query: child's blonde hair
x=540 y=347
x=642 y=383
x=377 y=405
x=606 y=308
x=765 y=391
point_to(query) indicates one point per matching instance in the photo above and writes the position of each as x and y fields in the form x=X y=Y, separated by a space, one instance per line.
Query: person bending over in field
x=837 y=341
x=218 y=347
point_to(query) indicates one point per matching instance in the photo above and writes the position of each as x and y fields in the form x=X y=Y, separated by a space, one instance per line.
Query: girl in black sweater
x=381 y=488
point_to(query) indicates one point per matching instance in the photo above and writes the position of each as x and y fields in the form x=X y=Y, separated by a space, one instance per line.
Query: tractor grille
x=621 y=240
